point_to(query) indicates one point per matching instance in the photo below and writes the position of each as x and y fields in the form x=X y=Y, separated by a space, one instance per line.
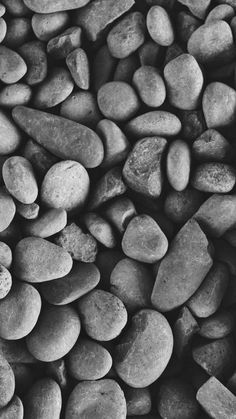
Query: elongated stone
x=154 y=123
x=62 y=137
x=183 y=269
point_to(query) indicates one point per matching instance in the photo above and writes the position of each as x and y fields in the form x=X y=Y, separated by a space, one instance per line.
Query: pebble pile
x=117 y=209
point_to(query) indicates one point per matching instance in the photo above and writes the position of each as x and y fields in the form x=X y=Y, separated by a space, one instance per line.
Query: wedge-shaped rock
x=64 y=138
x=183 y=269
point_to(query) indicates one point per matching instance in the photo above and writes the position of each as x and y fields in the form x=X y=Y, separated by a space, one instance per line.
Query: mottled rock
x=219 y=105
x=154 y=123
x=214 y=178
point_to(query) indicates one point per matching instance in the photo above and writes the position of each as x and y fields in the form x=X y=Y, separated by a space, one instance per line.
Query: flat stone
x=62 y=137
x=183 y=269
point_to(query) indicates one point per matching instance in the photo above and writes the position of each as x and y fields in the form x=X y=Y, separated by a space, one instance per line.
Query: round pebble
x=178 y=165
x=55 y=333
x=66 y=185
x=118 y=101
x=103 y=315
x=81 y=107
x=160 y=26
x=150 y=86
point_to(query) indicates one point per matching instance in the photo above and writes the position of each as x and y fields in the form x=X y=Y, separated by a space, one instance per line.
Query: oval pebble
x=10 y=136
x=127 y=35
x=46 y=6
x=46 y=26
x=184 y=82
x=118 y=101
x=154 y=123
x=159 y=26
x=103 y=315
x=150 y=86
x=102 y=399
x=54 y=90
x=7 y=209
x=78 y=65
x=214 y=178
x=178 y=165
x=7 y=382
x=65 y=185
x=43 y=400
x=55 y=333
x=5 y=255
x=212 y=43
x=144 y=240
x=24 y=303
x=5 y=281
x=70 y=140
x=219 y=105
x=12 y=66
x=19 y=179
x=48 y=224
x=221 y=12
x=130 y=360
x=82 y=278
x=14 y=409
x=15 y=94
x=88 y=360
x=38 y=260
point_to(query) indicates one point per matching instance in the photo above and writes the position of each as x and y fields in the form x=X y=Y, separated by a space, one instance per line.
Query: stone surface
x=219 y=105
x=214 y=178
x=150 y=86
x=43 y=400
x=159 y=26
x=154 y=123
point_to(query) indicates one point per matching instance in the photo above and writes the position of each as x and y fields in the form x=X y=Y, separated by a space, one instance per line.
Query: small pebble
x=219 y=105
x=125 y=68
x=149 y=53
x=198 y=9
x=60 y=46
x=154 y=123
x=214 y=178
x=28 y=211
x=18 y=32
x=78 y=65
x=34 y=54
x=15 y=94
x=116 y=145
x=10 y=136
x=119 y=212
x=81 y=107
x=178 y=165
x=7 y=209
x=221 y=12
x=180 y=206
x=100 y=229
x=103 y=67
x=218 y=325
x=212 y=146
x=12 y=66
x=48 y=224
x=150 y=86
x=41 y=159
x=159 y=26
x=138 y=401
x=47 y=26
x=5 y=255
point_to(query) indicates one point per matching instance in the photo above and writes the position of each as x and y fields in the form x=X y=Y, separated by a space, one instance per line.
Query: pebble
x=55 y=333
x=16 y=7
x=81 y=107
x=154 y=123
x=218 y=325
x=81 y=246
x=207 y=299
x=150 y=86
x=138 y=401
x=193 y=124
x=60 y=46
x=15 y=94
x=184 y=82
x=100 y=229
x=142 y=171
x=14 y=409
x=217 y=214
x=102 y=399
x=88 y=360
x=65 y=185
x=38 y=260
x=7 y=209
x=10 y=136
x=103 y=315
x=176 y=400
x=70 y=140
x=5 y=281
x=109 y=186
x=34 y=54
x=180 y=206
x=216 y=399
x=216 y=357
x=82 y=278
x=183 y=269
x=214 y=178
x=43 y=400
x=7 y=382
x=48 y=224
x=2 y=9
x=99 y=14
x=212 y=146
x=16 y=353
x=78 y=65
x=54 y=90
x=3 y=29
x=41 y=159
x=144 y=240
x=221 y=12
x=18 y=32
x=212 y=43
x=5 y=255
x=12 y=66
x=132 y=282
x=219 y=105
x=186 y=24
x=118 y=101
x=19 y=179
x=184 y=330
x=198 y=9
x=159 y=26
x=178 y=165
x=47 y=26
x=127 y=35
x=119 y=212
x=116 y=144
x=28 y=211
x=23 y=302
x=130 y=360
